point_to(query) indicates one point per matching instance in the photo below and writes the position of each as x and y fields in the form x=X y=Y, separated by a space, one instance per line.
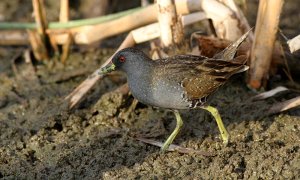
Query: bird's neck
x=139 y=78
x=140 y=69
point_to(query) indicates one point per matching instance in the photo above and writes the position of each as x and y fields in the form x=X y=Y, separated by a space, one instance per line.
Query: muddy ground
x=41 y=139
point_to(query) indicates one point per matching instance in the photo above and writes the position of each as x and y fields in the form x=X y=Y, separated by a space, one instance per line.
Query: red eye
x=122 y=59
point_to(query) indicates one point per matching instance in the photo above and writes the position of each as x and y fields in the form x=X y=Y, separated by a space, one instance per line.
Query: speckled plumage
x=178 y=82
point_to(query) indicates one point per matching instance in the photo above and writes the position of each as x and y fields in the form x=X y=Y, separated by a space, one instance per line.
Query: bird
x=178 y=82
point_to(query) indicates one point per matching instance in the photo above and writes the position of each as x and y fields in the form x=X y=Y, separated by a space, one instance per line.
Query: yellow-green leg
x=170 y=139
x=215 y=113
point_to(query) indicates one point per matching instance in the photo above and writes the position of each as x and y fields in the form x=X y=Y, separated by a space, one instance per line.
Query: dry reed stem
x=64 y=17
x=13 y=37
x=66 y=48
x=171 y=30
x=265 y=35
x=243 y=22
x=294 y=44
x=40 y=18
x=90 y=34
x=223 y=20
x=270 y=93
x=54 y=44
x=76 y=95
x=222 y=17
x=284 y=106
x=177 y=148
x=152 y=31
x=192 y=18
x=37 y=44
x=166 y=17
x=64 y=11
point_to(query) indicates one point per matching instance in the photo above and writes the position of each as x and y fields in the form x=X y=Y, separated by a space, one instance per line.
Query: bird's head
x=125 y=60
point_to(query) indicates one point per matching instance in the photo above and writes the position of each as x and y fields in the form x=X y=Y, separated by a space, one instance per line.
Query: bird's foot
x=215 y=113
x=171 y=138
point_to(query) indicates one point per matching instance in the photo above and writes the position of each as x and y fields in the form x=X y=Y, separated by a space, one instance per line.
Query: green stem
x=70 y=24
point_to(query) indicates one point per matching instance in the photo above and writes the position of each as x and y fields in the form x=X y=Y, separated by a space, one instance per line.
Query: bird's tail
x=229 y=52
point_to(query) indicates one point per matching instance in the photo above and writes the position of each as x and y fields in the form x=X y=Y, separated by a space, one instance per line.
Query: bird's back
x=184 y=81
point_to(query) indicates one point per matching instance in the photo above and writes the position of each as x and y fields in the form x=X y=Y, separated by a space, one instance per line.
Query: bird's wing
x=211 y=75
x=185 y=57
x=198 y=77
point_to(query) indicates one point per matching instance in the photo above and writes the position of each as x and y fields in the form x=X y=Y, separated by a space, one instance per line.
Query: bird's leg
x=215 y=113
x=170 y=139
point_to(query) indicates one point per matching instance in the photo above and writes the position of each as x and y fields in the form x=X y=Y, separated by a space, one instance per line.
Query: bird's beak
x=108 y=68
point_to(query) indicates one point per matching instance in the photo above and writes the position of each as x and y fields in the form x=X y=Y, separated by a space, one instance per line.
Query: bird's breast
x=158 y=92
